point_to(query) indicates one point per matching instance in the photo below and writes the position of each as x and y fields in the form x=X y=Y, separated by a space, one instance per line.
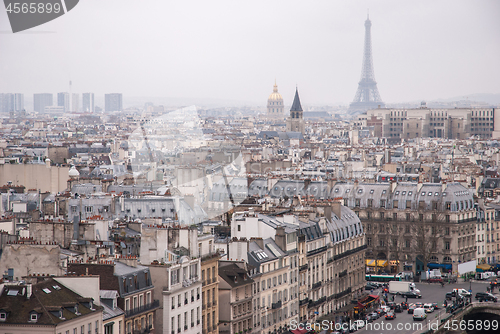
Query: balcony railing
x=349 y=252
x=317 y=251
x=303 y=301
x=343 y=273
x=317 y=302
x=277 y=305
x=303 y=267
x=343 y=293
x=316 y=285
x=143 y=308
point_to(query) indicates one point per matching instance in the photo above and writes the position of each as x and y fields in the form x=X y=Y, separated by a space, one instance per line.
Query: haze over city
x=234 y=51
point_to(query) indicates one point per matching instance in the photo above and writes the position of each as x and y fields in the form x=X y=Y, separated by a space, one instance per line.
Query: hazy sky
x=234 y=50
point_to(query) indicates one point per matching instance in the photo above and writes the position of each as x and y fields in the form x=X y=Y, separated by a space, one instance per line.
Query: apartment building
x=48 y=307
x=134 y=285
x=414 y=226
x=210 y=284
x=235 y=297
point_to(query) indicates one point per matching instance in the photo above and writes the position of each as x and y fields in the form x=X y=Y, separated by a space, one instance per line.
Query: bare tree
x=426 y=235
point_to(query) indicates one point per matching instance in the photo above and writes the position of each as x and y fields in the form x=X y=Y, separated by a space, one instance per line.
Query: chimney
x=29 y=290
x=280 y=238
x=336 y=208
x=443 y=186
x=307 y=182
x=259 y=241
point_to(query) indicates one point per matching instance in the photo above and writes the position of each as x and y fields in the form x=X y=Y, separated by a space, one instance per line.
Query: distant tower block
x=275 y=104
x=367 y=96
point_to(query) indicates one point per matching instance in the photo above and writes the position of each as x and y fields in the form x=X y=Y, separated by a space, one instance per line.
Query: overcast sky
x=234 y=50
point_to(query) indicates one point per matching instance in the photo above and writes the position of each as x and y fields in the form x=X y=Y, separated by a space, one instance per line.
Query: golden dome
x=275 y=96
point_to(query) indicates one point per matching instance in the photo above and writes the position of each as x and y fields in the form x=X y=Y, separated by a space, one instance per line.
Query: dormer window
x=34 y=317
x=3 y=316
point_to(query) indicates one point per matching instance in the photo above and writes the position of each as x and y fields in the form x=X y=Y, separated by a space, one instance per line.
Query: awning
x=367 y=301
x=380 y=263
x=483 y=267
x=446 y=266
x=394 y=263
x=299 y=331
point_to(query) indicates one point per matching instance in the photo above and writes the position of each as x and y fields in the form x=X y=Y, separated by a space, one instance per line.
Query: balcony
x=316 y=303
x=209 y=304
x=277 y=305
x=349 y=252
x=144 y=308
x=330 y=260
x=317 y=251
x=343 y=273
x=303 y=267
x=303 y=301
x=203 y=283
x=342 y=294
x=316 y=285
x=214 y=303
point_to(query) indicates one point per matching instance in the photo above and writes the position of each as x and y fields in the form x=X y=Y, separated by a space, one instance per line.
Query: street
x=431 y=293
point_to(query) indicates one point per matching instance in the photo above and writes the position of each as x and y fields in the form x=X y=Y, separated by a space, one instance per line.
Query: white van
x=419 y=314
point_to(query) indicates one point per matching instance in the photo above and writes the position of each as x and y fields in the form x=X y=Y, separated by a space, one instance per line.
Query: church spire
x=296 y=102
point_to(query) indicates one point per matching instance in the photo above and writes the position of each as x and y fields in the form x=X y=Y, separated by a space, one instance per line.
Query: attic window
x=347 y=190
x=397 y=193
x=138 y=210
x=384 y=191
x=371 y=191
x=337 y=190
x=33 y=317
x=444 y=194
x=436 y=194
x=423 y=193
x=360 y=191
x=430 y=193
x=410 y=193
x=3 y=316
x=403 y=193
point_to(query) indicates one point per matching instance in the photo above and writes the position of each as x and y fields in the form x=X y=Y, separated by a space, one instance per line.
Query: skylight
x=12 y=293
x=46 y=290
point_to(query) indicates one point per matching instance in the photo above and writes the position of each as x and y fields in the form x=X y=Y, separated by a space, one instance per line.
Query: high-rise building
x=113 y=102
x=275 y=104
x=367 y=95
x=75 y=102
x=88 y=102
x=40 y=101
x=295 y=122
x=18 y=101
x=63 y=100
x=11 y=102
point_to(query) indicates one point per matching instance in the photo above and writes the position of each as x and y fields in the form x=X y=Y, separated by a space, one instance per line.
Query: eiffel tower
x=367 y=96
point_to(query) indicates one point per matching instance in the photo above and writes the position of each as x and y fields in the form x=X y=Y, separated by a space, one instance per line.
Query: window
x=239 y=228
x=447 y=245
x=395 y=204
x=97 y=327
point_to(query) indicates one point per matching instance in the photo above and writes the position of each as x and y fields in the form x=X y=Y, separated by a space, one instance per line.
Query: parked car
x=411 y=294
x=390 y=316
x=370 y=287
x=359 y=324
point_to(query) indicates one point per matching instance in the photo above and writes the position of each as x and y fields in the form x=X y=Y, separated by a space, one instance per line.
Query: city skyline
x=235 y=52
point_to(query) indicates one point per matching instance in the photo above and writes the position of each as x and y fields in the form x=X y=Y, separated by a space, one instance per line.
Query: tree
x=426 y=236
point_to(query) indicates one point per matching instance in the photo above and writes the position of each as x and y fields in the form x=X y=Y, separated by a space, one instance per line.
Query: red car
x=435 y=280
